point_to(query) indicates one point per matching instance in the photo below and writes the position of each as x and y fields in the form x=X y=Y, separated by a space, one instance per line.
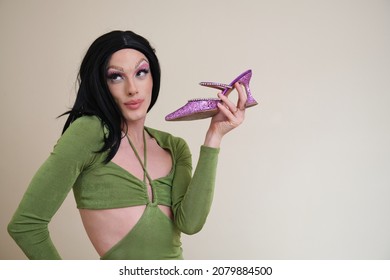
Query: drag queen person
x=134 y=186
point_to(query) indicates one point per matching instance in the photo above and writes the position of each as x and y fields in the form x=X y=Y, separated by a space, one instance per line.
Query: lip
x=133 y=104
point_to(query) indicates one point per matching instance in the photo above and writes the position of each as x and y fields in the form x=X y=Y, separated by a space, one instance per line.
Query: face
x=130 y=83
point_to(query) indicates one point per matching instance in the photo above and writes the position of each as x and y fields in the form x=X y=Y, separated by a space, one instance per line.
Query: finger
x=242 y=96
x=231 y=118
x=226 y=102
x=227 y=92
x=225 y=110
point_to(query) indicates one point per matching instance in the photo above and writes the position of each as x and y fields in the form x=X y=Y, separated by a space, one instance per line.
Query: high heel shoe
x=201 y=108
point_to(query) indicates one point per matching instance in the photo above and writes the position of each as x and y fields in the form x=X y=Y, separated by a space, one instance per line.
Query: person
x=134 y=186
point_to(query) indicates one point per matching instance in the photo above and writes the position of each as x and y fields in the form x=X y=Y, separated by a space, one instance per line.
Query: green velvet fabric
x=75 y=163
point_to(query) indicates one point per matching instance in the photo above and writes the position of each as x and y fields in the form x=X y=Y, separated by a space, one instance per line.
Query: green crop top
x=74 y=163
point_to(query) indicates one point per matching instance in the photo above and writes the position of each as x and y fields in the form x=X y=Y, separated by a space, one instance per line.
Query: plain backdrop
x=307 y=176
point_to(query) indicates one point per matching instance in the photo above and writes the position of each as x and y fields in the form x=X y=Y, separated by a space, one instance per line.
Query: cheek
x=150 y=87
x=115 y=91
x=150 y=91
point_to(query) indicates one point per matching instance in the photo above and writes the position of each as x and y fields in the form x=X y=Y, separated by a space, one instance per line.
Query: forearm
x=33 y=239
x=212 y=139
x=45 y=194
x=195 y=206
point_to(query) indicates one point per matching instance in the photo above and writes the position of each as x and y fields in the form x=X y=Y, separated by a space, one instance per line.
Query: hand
x=229 y=116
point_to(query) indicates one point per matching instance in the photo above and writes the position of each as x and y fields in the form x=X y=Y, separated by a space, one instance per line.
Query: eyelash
x=145 y=71
x=114 y=75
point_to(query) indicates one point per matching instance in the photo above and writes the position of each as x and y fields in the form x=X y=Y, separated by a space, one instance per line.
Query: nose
x=131 y=87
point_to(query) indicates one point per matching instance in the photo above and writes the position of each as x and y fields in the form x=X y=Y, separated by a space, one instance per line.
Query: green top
x=74 y=163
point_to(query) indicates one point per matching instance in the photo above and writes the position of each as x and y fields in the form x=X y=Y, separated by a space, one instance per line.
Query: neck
x=135 y=131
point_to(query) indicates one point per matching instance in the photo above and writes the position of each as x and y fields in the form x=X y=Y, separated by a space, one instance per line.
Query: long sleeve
x=192 y=197
x=75 y=151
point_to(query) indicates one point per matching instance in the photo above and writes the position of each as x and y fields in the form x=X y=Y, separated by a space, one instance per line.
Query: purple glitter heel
x=202 y=108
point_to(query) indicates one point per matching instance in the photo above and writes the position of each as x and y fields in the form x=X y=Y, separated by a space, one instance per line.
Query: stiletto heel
x=201 y=108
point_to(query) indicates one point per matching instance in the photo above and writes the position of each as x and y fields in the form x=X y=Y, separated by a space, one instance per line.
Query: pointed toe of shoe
x=194 y=110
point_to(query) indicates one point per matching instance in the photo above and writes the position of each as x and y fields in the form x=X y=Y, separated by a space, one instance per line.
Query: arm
x=49 y=187
x=192 y=198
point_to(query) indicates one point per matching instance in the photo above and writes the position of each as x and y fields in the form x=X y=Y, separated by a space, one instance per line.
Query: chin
x=135 y=117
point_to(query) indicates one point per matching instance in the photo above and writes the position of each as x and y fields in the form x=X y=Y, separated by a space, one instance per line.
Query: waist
x=154 y=236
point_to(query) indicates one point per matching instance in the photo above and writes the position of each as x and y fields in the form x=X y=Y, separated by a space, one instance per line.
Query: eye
x=142 y=72
x=114 y=77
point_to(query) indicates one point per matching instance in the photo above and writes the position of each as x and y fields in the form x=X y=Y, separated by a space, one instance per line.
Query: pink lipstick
x=133 y=104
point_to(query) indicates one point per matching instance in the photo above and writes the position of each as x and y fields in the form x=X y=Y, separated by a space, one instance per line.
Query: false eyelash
x=112 y=75
x=144 y=70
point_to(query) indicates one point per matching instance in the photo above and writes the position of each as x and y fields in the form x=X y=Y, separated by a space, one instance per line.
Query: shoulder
x=167 y=140
x=87 y=130
x=87 y=122
x=86 y=125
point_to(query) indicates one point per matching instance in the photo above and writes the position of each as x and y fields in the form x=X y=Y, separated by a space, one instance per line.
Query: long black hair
x=94 y=97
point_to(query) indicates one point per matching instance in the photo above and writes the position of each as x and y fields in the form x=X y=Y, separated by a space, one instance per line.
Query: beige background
x=307 y=175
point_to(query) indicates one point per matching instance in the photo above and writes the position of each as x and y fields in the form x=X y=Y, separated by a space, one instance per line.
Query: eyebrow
x=116 y=68
x=122 y=70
